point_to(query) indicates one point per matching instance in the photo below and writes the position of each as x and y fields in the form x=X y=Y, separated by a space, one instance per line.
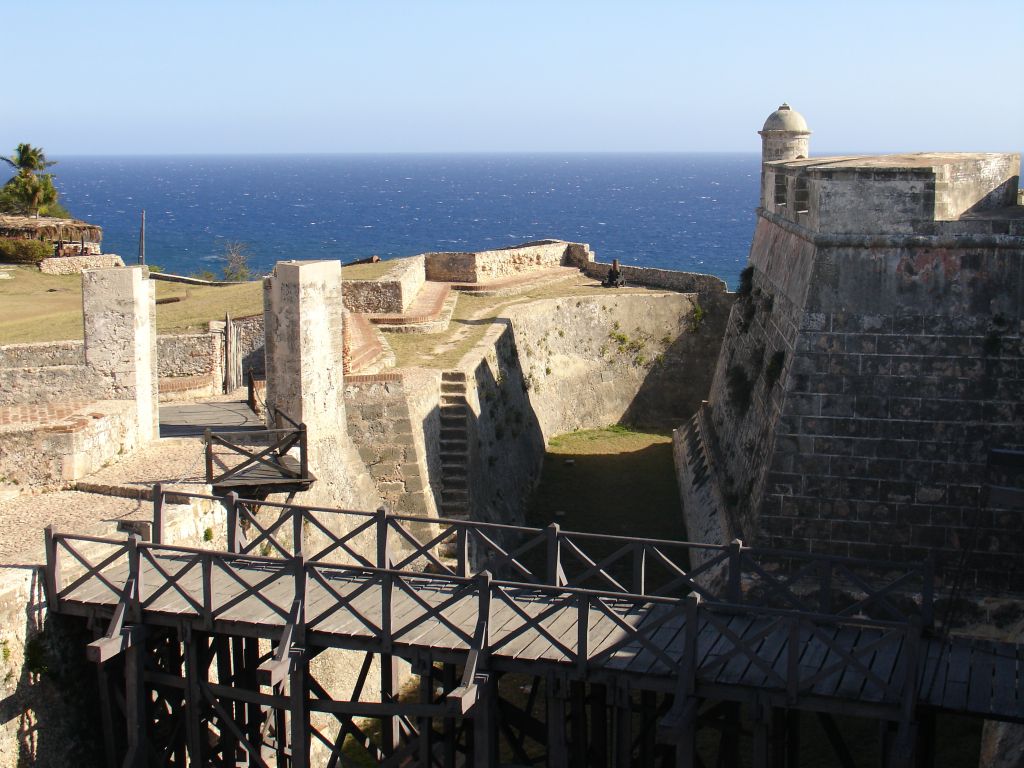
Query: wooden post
x=485 y=723
x=303 y=453
x=462 y=547
x=206 y=566
x=136 y=723
x=158 y=514
x=554 y=696
x=583 y=632
x=297 y=520
x=193 y=697
x=383 y=555
x=825 y=589
x=793 y=649
x=928 y=593
x=639 y=568
x=209 y=455
x=578 y=718
x=426 y=722
x=648 y=714
x=623 y=726
x=554 y=555
x=449 y=725
x=52 y=570
x=735 y=571
x=599 y=725
x=231 y=505
x=761 y=718
x=135 y=577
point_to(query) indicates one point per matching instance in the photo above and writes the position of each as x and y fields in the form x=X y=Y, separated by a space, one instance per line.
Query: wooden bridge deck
x=849 y=664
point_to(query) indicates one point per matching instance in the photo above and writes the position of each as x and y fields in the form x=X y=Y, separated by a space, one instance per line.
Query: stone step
x=453 y=447
x=453 y=376
x=454 y=412
x=453 y=429
x=454 y=494
x=453 y=423
x=455 y=483
x=453 y=387
x=449 y=400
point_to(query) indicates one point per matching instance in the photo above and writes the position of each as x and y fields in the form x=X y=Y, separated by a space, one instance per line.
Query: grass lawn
x=39 y=307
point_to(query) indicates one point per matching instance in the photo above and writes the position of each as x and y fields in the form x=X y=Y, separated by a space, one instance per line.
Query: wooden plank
x=772 y=648
x=931 y=677
x=844 y=638
x=982 y=674
x=884 y=665
x=954 y=697
x=1005 y=695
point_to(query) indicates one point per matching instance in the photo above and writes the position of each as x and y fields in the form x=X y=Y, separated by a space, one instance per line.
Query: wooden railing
x=242 y=444
x=731 y=573
x=686 y=637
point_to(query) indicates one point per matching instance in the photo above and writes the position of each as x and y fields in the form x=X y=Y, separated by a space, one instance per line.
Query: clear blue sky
x=202 y=76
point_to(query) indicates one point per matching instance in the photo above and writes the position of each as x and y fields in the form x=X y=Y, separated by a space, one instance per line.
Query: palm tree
x=27 y=160
x=29 y=189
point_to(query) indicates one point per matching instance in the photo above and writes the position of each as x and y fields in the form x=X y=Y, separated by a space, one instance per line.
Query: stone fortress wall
x=869 y=366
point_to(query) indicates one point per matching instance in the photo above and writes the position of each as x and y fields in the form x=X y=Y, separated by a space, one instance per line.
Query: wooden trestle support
x=217 y=658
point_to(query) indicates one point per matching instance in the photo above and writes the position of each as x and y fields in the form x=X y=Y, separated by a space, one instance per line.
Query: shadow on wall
x=53 y=710
x=505 y=442
x=673 y=389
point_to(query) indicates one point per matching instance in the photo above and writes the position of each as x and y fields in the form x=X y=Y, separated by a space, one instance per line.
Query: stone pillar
x=304 y=319
x=119 y=309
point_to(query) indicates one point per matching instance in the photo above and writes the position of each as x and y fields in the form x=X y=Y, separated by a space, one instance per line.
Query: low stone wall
x=74 y=265
x=380 y=423
x=55 y=454
x=392 y=293
x=484 y=266
x=684 y=282
x=45 y=354
x=191 y=354
x=48 y=384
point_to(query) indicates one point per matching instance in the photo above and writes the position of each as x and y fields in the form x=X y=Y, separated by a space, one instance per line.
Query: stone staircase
x=454 y=446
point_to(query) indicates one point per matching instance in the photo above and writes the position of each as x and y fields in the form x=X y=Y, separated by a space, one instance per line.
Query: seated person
x=614 y=279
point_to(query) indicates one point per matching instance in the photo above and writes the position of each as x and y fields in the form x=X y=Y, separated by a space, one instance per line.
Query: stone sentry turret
x=785 y=136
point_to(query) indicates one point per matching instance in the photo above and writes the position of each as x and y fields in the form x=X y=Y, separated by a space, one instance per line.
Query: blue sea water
x=691 y=212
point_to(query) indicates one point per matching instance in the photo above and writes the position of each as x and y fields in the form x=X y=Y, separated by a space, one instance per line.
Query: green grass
x=614 y=480
x=36 y=307
x=369 y=271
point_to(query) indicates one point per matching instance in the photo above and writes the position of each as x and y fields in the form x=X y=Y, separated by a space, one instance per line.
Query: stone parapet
x=392 y=293
x=484 y=266
x=74 y=265
x=44 y=354
x=668 y=279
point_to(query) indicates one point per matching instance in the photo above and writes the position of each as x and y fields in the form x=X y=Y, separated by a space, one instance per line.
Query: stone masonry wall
x=684 y=282
x=73 y=265
x=390 y=444
x=57 y=383
x=193 y=354
x=68 y=450
x=639 y=358
x=44 y=354
x=484 y=266
x=902 y=370
x=392 y=293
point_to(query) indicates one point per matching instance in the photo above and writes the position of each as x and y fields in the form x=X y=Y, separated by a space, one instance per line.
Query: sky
x=224 y=77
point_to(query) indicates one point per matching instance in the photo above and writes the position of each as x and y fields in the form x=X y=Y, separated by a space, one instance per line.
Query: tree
x=237 y=267
x=30 y=190
x=28 y=160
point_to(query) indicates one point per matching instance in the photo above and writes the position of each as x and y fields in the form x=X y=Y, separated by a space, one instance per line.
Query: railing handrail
x=562 y=591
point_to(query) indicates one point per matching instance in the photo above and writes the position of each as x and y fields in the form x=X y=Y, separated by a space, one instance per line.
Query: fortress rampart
x=870 y=364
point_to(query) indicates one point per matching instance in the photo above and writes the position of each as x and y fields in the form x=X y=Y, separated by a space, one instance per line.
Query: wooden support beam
x=485 y=725
x=599 y=725
x=578 y=717
x=195 y=669
x=623 y=711
x=554 y=699
x=136 y=721
x=449 y=723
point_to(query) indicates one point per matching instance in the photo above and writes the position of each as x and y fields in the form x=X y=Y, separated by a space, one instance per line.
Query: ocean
x=692 y=212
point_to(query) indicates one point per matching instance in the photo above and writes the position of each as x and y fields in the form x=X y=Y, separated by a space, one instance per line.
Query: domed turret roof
x=785 y=118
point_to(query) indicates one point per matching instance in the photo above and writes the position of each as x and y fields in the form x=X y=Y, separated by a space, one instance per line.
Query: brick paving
x=31 y=414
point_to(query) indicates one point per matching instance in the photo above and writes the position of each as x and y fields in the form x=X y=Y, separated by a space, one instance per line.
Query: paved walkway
x=191 y=419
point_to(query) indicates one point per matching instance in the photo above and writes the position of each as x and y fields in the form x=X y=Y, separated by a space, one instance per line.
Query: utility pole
x=142 y=239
